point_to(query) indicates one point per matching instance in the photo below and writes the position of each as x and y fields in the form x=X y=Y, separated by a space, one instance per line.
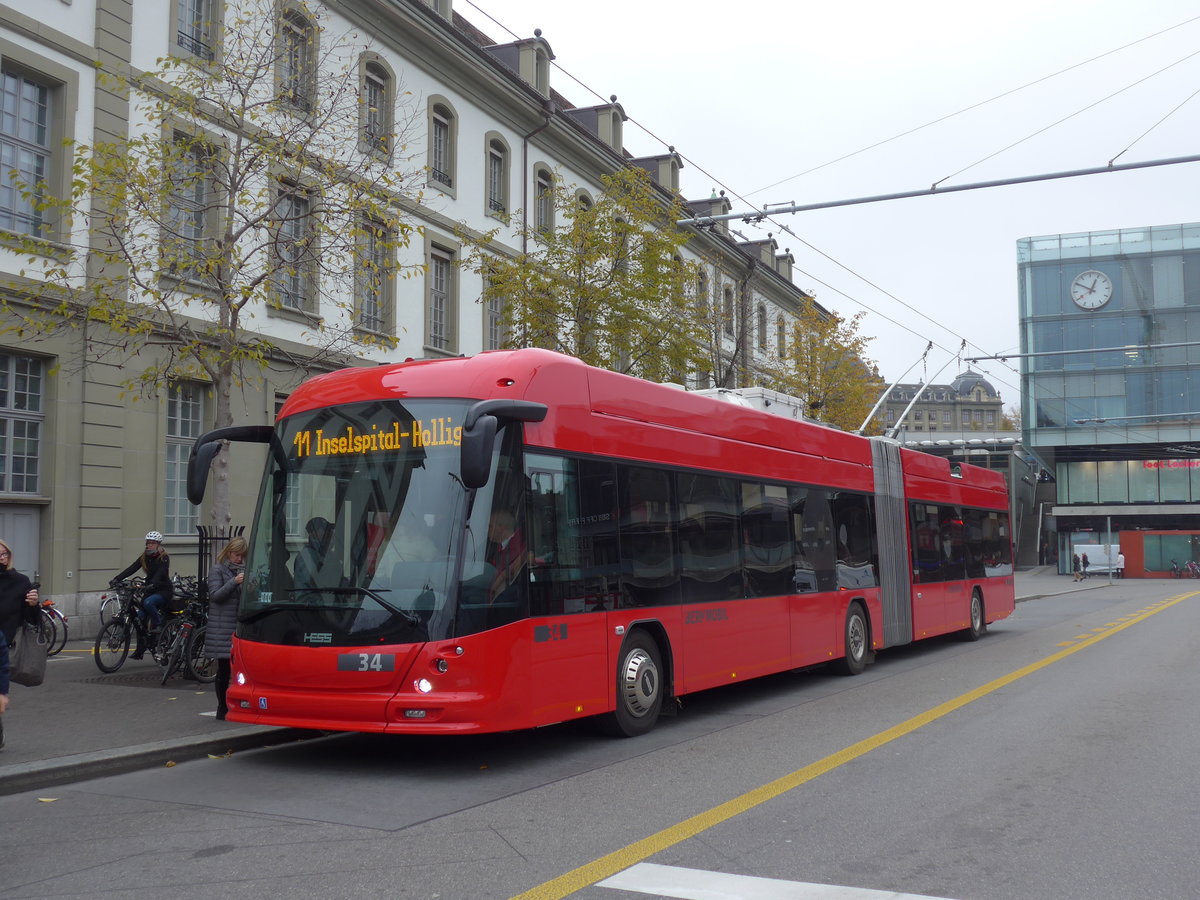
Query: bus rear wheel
x=978 y=626
x=857 y=643
x=639 y=687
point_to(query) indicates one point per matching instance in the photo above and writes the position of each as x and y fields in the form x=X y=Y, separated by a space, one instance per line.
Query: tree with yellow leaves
x=826 y=367
x=604 y=281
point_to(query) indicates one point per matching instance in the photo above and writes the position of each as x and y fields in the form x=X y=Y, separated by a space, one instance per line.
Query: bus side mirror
x=199 y=462
x=479 y=434
x=478 y=439
x=208 y=445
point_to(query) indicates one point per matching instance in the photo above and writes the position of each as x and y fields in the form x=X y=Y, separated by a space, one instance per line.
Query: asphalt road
x=1053 y=759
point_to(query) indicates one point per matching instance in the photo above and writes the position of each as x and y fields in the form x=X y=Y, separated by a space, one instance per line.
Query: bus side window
x=973 y=520
x=812 y=540
x=953 y=545
x=767 y=540
x=650 y=571
x=926 y=537
x=572 y=515
x=709 y=544
x=856 y=562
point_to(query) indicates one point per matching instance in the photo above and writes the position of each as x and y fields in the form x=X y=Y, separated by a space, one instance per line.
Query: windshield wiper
x=374 y=595
x=407 y=616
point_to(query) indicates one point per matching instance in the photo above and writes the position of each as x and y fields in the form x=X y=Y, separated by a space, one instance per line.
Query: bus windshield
x=365 y=533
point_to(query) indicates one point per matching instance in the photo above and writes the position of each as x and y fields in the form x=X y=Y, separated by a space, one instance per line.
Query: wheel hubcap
x=856 y=638
x=639 y=682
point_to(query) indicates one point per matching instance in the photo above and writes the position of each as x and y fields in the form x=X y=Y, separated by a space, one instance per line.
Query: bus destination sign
x=439 y=432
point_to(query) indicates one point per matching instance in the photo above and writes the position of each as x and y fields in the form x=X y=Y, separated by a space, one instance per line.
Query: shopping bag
x=28 y=656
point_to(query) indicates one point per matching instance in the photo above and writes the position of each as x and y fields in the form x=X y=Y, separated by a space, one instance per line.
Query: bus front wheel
x=857 y=643
x=639 y=687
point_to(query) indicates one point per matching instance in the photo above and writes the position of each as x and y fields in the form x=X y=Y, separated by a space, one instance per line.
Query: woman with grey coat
x=224 y=592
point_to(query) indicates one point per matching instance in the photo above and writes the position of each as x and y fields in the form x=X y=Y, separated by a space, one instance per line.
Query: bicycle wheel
x=199 y=666
x=112 y=646
x=174 y=654
x=166 y=640
x=109 y=607
x=60 y=630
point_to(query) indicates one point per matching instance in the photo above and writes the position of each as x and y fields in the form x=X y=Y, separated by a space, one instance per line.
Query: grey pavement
x=82 y=724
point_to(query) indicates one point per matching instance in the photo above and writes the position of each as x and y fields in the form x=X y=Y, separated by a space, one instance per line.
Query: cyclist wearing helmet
x=157 y=591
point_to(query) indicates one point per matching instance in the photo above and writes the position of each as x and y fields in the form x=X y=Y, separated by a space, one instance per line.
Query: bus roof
x=593 y=410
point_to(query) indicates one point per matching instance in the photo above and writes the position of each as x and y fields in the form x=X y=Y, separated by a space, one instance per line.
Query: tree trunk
x=222 y=390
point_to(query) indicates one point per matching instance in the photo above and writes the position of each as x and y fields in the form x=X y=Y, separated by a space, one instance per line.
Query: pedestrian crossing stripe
x=696 y=884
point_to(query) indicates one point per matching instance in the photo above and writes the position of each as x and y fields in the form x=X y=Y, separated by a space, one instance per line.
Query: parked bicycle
x=53 y=624
x=182 y=642
x=115 y=635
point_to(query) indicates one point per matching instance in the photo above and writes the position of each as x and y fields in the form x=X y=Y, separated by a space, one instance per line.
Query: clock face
x=1091 y=289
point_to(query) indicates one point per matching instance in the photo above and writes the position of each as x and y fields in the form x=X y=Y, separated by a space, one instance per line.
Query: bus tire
x=978 y=626
x=857 y=635
x=639 y=687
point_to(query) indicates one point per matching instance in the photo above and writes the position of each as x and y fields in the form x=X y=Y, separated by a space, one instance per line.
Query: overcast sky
x=763 y=100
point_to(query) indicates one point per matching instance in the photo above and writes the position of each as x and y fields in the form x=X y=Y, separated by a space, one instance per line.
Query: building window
x=543 y=202
x=542 y=73
x=22 y=412
x=495 y=334
x=728 y=315
x=293 y=249
x=780 y=336
x=25 y=116
x=439 y=332
x=377 y=108
x=297 y=55
x=442 y=140
x=185 y=414
x=702 y=292
x=375 y=278
x=762 y=326
x=497 y=177
x=195 y=28
x=188 y=219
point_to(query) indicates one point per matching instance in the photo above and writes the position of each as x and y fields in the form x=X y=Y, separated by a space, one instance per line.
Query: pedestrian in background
x=1085 y=564
x=18 y=607
x=224 y=593
x=157 y=589
x=1076 y=568
x=1120 y=565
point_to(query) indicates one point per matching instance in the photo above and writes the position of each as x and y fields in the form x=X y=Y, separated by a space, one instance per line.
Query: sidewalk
x=83 y=724
x=1044 y=581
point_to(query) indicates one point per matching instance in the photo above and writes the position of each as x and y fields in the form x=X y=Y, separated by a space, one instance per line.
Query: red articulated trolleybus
x=516 y=539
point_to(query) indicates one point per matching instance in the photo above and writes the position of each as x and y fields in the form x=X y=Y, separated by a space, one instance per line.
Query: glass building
x=1110 y=375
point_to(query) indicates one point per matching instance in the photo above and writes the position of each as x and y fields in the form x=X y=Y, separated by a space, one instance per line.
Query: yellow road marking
x=614 y=862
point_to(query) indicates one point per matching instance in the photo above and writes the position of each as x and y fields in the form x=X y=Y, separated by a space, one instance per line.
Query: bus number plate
x=366 y=662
